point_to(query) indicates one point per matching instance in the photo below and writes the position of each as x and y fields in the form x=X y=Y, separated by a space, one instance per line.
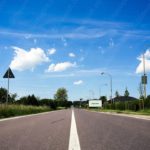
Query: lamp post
x=144 y=81
x=110 y=76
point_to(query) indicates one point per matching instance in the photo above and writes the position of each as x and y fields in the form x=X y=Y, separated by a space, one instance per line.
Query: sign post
x=9 y=74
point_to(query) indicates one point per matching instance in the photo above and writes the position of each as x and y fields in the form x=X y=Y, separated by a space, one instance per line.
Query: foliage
x=28 y=100
x=54 y=104
x=117 y=94
x=126 y=93
x=148 y=97
x=3 y=96
x=61 y=95
x=84 y=104
x=103 y=98
x=134 y=105
x=31 y=104
x=17 y=110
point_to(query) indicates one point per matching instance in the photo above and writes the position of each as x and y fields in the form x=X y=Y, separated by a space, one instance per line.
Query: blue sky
x=68 y=43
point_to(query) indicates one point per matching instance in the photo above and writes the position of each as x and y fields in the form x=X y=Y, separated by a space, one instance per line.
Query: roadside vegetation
x=121 y=104
x=31 y=104
x=18 y=110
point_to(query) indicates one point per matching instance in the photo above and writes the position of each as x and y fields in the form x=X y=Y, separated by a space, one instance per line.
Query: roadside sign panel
x=144 y=79
x=9 y=74
x=95 y=103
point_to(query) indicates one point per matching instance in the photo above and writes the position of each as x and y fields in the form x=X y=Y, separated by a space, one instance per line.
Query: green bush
x=135 y=105
x=17 y=110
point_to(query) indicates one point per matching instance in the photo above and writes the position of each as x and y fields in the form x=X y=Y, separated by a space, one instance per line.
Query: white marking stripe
x=74 y=143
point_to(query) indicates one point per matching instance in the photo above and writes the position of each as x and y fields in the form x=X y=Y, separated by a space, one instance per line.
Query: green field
x=18 y=110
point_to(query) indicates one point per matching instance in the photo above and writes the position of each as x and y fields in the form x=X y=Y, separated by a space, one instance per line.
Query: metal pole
x=110 y=84
x=144 y=82
x=99 y=92
x=111 y=87
x=7 y=89
x=100 y=89
x=144 y=75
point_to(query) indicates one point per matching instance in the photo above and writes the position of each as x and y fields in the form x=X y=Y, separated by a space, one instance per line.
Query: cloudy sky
x=68 y=43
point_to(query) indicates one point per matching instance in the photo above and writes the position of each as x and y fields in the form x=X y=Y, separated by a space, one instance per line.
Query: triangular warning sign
x=9 y=74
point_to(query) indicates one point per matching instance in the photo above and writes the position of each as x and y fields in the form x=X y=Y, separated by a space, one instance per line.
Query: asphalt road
x=42 y=132
x=107 y=132
x=96 y=131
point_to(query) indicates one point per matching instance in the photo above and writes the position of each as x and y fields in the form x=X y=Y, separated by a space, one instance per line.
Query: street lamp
x=110 y=76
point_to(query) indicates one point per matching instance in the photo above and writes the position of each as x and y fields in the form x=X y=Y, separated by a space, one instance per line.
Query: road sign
x=95 y=103
x=144 y=79
x=9 y=74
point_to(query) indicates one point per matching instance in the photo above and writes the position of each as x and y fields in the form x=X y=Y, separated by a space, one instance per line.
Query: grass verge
x=18 y=110
x=141 y=112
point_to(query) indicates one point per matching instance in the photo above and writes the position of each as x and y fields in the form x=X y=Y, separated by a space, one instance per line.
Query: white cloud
x=72 y=55
x=24 y=60
x=51 y=51
x=147 y=54
x=78 y=82
x=60 y=66
x=139 y=68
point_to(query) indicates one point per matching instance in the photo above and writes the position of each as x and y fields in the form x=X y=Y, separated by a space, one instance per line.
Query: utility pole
x=8 y=89
x=110 y=76
x=145 y=77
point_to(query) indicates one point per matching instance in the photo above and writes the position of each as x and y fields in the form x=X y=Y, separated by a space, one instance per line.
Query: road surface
x=81 y=130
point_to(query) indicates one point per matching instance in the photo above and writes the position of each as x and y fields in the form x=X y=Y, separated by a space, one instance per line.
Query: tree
x=61 y=95
x=126 y=93
x=148 y=97
x=3 y=95
x=117 y=94
x=103 y=98
x=28 y=100
x=32 y=100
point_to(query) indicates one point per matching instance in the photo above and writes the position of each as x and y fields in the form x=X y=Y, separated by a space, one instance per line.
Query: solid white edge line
x=74 y=143
x=24 y=116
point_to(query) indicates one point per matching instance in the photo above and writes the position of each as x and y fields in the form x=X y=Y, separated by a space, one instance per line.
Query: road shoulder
x=144 y=117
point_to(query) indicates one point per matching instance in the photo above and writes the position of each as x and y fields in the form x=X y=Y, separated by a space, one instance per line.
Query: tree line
x=125 y=102
x=60 y=99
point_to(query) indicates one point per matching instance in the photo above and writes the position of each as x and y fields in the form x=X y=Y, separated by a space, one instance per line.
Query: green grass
x=18 y=110
x=141 y=112
x=60 y=108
